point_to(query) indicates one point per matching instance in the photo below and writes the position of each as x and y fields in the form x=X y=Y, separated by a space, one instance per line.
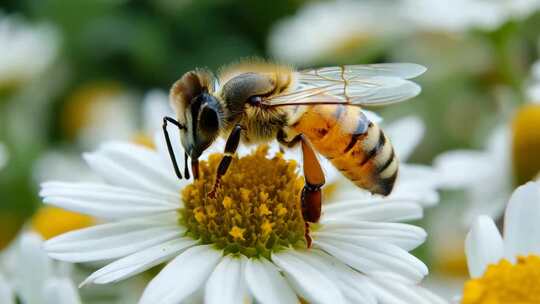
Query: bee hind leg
x=230 y=148
x=311 y=199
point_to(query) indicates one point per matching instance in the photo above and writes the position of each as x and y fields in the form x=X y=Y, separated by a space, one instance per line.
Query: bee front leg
x=230 y=148
x=311 y=198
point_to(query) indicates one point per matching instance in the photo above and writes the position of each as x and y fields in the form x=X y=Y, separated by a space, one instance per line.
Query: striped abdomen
x=354 y=145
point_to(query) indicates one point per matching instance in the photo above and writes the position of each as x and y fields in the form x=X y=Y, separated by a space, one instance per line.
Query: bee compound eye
x=254 y=100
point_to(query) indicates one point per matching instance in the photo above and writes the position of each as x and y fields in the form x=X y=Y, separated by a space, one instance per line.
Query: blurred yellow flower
x=526 y=143
x=52 y=221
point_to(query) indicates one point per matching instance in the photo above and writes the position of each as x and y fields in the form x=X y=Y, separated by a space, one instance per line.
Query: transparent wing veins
x=377 y=84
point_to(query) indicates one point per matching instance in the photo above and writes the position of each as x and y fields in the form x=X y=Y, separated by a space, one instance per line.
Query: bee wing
x=374 y=84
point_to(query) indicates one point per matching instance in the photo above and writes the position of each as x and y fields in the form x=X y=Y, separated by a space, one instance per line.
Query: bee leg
x=311 y=198
x=282 y=139
x=230 y=148
x=169 y=145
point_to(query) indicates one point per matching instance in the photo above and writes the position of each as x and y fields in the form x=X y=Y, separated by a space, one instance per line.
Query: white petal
x=110 y=241
x=6 y=292
x=369 y=256
x=227 y=284
x=60 y=291
x=266 y=284
x=391 y=291
x=132 y=166
x=182 y=276
x=522 y=221
x=461 y=168
x=154 y=107
x=138 y=262
x=107 y=202
x=405 y=135
x=483 y=246
x=374 y=209
x=33 y=268
x=418 y=183
x=352 y=284
x=307 y=280
x=405 y=236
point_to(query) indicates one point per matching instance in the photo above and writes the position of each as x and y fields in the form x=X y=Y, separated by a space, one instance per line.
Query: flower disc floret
x=256 y=210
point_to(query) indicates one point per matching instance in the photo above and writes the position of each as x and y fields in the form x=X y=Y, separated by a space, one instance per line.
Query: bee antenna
x=168 y=141
x=186 y=168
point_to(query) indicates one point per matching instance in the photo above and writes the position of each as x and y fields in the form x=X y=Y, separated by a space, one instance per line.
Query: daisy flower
x=323 y=29
x=505 y=269
x=99 y=111
x=510 y=157
x=463 y=15
x=30 y=276
x=27 y=50
x=245 y=244
x=137 y=125
x=485 y=175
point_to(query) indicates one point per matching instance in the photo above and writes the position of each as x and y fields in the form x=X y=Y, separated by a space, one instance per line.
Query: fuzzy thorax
x=256 y=210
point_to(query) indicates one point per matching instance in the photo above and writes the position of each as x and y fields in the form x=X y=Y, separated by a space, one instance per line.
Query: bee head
x=198 y=110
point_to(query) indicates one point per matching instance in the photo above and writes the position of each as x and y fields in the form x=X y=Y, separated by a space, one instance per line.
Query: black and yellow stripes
x=354 y=145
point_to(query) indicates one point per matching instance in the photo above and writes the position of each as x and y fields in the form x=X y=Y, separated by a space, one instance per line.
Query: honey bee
x=320 y=109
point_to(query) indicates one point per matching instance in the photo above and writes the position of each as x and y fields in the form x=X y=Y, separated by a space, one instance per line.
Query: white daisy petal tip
x=483 y=245
x=266 y=284
x=308 y=281
x=190 y=270
x=522 y=227
x=227 y=284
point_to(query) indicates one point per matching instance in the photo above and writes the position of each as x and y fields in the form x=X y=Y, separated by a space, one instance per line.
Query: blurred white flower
x=4 y=156
x=63 y=164
x=112 y=117
x=359 y=253
x=451 y=16
x=486 y=176
x=27 y=50
x=505 y=269
x=533 y=91
x=31 y=276
x=321 y=29
x=155 y=107
x=463 y=15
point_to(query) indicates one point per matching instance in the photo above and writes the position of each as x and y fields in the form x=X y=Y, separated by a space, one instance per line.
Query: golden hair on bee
x=282 y=75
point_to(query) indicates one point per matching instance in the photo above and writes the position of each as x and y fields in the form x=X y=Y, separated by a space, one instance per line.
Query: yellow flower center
x=51 y=221
x=256 y=210
x=526 y=143
x=506 y=283
x=142 y=139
